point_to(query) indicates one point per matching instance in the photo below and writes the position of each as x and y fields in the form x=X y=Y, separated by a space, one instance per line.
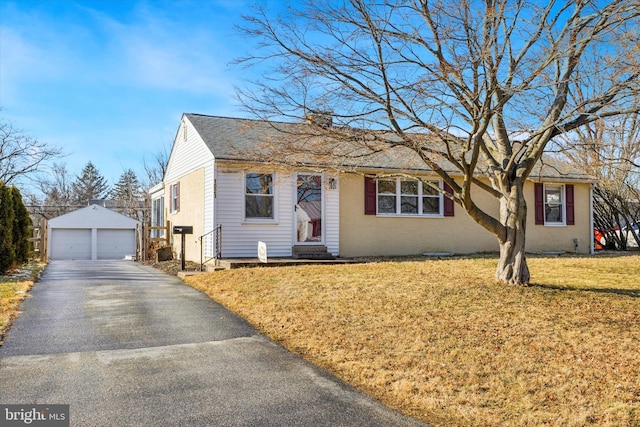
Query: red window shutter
x=539 y=202
x=370 y=197
x=568 y=190
x=448 y=203
x=178 y=196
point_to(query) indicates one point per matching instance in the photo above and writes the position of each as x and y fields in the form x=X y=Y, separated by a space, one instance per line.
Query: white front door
x=309 y=209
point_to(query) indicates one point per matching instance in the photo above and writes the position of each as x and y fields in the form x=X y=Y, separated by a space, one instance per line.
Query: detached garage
x=92 y=233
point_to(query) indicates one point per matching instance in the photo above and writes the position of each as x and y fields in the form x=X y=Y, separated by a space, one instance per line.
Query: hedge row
x=14 y=229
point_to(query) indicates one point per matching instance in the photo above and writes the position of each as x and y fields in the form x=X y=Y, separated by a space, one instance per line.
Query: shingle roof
x=237 y=139
x=232 y=138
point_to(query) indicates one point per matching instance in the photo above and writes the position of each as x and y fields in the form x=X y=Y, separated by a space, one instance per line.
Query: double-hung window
x=175 y=197
x=258 y=199
x=554 y=204
x=409 y=197
x=431 y=199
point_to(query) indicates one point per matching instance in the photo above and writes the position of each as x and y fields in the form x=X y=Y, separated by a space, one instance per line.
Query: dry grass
x=14 y=288
x=438 y=340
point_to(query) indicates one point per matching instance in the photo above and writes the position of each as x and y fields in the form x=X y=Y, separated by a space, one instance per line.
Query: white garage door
x=70 y=243
x=116 y=244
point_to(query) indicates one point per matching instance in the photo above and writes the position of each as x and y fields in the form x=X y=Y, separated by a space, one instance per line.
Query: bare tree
x=57 y=193
x=476 y=89
x=22 y=155
x=609 y=150
x=616 y=210
x=155 y=169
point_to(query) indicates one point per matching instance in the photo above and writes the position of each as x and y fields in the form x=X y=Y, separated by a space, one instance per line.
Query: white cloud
x=160 y=53
x=146 y=51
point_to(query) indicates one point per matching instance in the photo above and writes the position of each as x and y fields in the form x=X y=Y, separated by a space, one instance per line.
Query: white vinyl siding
x=209 y=212
x=332 y=216
x=187 y=155
x=239 y=237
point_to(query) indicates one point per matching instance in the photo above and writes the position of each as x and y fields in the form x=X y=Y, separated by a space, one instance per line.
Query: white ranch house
x=215 y=179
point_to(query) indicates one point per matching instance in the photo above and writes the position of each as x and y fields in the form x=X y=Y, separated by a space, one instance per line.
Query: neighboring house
x=220 y=174
x=91 y=233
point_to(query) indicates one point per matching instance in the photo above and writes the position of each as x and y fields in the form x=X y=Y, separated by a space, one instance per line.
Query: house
x=91 y=233
x=223 y=177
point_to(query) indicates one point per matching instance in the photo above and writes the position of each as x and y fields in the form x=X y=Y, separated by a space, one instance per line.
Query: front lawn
x=438 y=340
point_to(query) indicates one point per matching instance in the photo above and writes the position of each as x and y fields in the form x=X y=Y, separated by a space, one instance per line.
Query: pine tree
x=7 y=252
x=128 y=193
x=21 y=224
x=90 y=185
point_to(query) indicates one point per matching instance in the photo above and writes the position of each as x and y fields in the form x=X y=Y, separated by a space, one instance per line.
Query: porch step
x=311 y=252
x=219 y=265
x=212 y=268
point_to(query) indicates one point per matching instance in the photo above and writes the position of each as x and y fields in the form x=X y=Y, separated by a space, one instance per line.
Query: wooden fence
x=39 y=241
x=147 y=245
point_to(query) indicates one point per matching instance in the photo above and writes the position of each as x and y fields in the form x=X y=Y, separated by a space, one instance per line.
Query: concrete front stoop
x=311 y=252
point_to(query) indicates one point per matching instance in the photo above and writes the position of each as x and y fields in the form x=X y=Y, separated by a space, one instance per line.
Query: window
x=175 y=197
x=554 y=204
x=409 y=197
x=258 y=199
x=386 y=196
x=430 y=200
x=157 y=216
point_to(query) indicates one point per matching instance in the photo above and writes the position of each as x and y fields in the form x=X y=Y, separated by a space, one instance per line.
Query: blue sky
x=108 y=80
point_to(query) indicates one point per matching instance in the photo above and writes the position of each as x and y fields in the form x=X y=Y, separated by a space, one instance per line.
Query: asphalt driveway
x=126 y=345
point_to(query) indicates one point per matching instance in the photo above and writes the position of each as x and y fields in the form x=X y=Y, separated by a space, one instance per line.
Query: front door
x=309 y=215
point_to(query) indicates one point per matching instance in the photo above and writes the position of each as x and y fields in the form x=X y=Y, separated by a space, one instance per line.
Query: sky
x=108 y=80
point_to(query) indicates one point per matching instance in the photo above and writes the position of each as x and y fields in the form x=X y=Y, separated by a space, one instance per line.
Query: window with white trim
x=259 y=196
x=554 y=210
x=157 y=216
x=174 y=197
x=399 y=196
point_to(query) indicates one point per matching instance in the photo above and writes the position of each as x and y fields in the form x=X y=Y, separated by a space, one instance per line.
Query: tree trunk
x=512 y=268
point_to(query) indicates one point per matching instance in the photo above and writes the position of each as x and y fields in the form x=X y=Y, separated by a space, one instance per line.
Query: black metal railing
x=217 y=246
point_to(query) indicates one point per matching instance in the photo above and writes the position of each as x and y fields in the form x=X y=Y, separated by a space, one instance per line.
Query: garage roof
x=93 y=216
